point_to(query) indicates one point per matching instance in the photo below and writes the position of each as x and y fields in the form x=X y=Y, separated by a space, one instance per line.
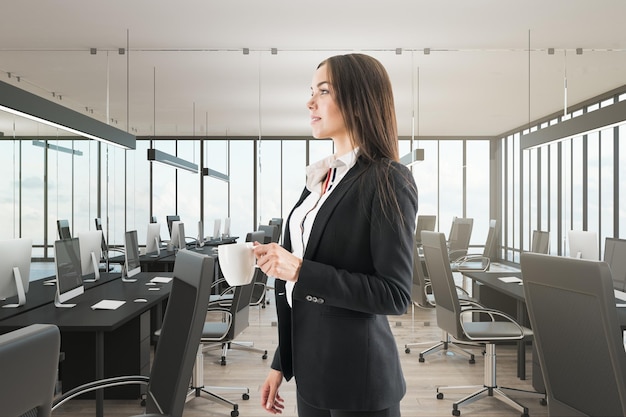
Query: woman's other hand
x=270 y=399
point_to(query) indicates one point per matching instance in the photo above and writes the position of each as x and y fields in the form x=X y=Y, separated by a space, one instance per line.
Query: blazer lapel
x=323 y=215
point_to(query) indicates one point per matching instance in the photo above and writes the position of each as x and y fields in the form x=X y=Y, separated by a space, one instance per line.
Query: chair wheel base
x=421 y=359
x=456 y=413
x=264 y=355
x=543 y=401
x=234 y=413
x=223 y=361
x=440 y=395
x=407 y=350
x=245 y=396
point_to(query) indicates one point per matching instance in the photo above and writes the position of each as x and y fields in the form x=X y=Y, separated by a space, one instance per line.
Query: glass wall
x=569 y=184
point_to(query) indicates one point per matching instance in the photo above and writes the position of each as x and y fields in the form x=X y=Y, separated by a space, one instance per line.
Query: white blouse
x=322 y=178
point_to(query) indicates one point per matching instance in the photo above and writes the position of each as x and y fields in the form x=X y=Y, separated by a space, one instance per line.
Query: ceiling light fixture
x=24 y=104
x=416 y=155
x=57 y=148
x=156 y=155
x=208 y=172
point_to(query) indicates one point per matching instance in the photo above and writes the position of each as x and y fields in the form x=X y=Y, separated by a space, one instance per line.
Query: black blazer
x=356 y=270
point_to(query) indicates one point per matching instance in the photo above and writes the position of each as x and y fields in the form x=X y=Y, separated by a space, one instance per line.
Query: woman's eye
x=324 y=91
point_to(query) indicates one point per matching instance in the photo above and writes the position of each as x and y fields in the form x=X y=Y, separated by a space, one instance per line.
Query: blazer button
x=320 y=300
x=314 y=299
x=309 y=298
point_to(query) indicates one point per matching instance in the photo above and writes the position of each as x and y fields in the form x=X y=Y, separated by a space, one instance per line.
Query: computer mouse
x=140 y=300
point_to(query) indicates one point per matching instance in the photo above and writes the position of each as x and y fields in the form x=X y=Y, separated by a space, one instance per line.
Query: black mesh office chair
x=171 y=371
x=454 y=319
x=29 y=359
x=579 y=340
x=221 y=333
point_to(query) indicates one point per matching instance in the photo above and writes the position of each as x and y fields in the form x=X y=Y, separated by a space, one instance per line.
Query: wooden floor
x=247 y=369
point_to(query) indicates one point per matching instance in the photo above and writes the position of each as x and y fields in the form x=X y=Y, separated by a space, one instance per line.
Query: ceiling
x=184 y=72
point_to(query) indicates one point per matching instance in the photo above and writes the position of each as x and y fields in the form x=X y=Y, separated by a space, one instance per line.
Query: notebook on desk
x=620 y=297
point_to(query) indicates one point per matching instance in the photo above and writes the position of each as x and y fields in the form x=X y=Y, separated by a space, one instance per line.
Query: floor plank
x=247 y=369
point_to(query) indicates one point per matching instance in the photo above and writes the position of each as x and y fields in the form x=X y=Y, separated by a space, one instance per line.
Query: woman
x=346 y=262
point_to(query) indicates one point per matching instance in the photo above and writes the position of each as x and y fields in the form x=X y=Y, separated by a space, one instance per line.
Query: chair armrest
x=491 y=312
x=463 y=263
x=100 y=384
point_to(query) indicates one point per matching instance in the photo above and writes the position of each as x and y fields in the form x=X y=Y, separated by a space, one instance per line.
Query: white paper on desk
x=510 y=280
x=161 y=280
x=107 y=304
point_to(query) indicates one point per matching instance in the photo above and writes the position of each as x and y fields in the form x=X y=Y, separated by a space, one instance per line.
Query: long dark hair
x=365 y=98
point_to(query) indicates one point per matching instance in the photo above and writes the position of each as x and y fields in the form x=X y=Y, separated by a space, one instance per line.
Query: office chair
x=424 y=222
x=29 y=359
x=225 y=293
x=278 y=221
x=540 y=242
x=221 y=334
x=63 y=228
x=105 y=248
x=420 y=297
x=478 y=262
x=272 y=234
x=453 y=318
x=578 y=339
x=178 y=342
x=459 y=237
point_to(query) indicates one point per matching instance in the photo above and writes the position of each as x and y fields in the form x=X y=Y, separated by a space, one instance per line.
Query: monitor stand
x=21 y=294
x=126 y=274
x=96 y=269
x=57 y=303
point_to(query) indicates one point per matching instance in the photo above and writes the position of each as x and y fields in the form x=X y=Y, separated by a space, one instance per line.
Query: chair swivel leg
x=197 y=387
x=446 y=345
x=489 y=388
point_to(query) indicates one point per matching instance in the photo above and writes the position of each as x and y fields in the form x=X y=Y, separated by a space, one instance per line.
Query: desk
x=102 y=343
x=515 y=292
x=164 y=260
x=39 y=294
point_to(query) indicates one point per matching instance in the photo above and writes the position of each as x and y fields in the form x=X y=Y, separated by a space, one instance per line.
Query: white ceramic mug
x=237 y=262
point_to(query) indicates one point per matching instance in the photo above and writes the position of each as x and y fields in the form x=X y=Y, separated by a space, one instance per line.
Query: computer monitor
x=226 y=232
x=217 y=226
x=63 y=227
x=90 y=244
x=583 y=244
x=69 y=273
x=178 y=234
x=15 y=257
x=170 y=219
x=615 y=256
x=153 y=239
x=131 y=250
